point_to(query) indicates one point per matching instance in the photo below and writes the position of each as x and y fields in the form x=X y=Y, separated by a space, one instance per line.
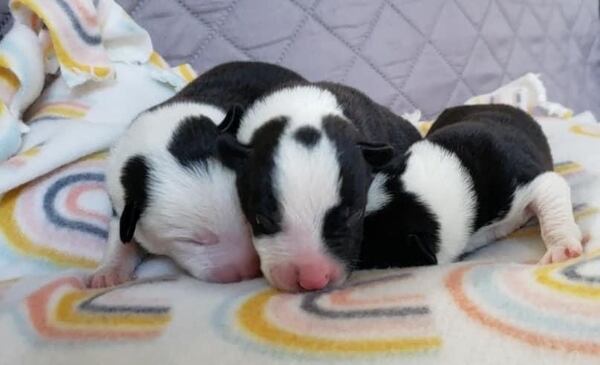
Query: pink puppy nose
x=294 y=277
x=313 y=278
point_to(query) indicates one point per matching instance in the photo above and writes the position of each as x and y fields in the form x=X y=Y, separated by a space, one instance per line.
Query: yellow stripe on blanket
x=100 y=72
x=66 y=110
x=252 y=317
x=552 y=277
x=186 y=72
x=24 y=245
x=65 y=310
x=7 y=76
x=586 y=130
x=567 y=168
x=18 y=240
x=157 y=60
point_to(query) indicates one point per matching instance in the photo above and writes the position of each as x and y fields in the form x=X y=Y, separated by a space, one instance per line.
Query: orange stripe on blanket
x=65 y=310
x=19 y=241
x=252 y=317
x=455 y=283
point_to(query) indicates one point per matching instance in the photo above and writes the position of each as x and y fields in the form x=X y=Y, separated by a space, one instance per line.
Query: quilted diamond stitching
x=294 y=36
x=362 y=42
x=137 y=6
x=558 y=38
x=215 y=30
x=435 y=48
x=418 y=57
x=347 y=44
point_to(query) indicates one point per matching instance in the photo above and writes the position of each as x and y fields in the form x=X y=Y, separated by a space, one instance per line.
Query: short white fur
x=298 y=170
x=440 y=181
x=181 y=203
x=377 y=197
x=302 y=105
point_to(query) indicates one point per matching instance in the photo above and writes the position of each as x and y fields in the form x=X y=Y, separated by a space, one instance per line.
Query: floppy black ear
x=428 y=254
x=376 y=154
x=231 y=122
x=232 y=153
x=129 y=218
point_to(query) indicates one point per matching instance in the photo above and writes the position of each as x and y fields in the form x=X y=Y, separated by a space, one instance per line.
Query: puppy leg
x=119 y=261
x=551 y=203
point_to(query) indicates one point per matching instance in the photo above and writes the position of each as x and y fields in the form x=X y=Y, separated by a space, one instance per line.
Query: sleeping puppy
x=311 y=151
x=481 y=173
x=173 y=191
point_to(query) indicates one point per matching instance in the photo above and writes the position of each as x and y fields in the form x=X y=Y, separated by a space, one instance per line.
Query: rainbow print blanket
x=496 y=307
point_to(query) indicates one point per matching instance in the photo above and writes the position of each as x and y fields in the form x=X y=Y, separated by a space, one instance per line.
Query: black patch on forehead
x=194 y=140
x=135 y=177
x=255 y=184
x=307 y=136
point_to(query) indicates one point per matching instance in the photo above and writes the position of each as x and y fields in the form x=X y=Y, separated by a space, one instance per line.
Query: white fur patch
x=547 y=196
x=378 y=197
x=305 y=179
x=440 y=181
x=148 y=135
x=302 y=105
x=184 y=204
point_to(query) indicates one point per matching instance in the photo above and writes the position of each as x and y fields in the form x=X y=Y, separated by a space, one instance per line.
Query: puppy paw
x=108 y=276
x=559 y=252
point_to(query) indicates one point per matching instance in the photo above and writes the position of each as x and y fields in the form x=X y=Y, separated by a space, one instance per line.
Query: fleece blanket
x=73 y=74
x=495 y=307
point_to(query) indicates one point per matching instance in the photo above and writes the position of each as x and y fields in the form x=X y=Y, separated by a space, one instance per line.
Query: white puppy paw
x=562 y=247
x=110 y=275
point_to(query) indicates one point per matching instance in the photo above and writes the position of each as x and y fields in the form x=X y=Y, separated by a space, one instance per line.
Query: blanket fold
x=106 y=72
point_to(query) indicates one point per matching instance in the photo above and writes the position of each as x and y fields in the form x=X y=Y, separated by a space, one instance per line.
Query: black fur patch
x=501 y=147
x=193 y=141
x=236 y=83
x=388 y=231
x=343 y=238
x=134 y=178
x=307 y=136
x=255 y=185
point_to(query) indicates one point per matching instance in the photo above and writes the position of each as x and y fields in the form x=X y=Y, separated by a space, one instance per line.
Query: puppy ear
x=428 y=254
x=232 y=153
x=129 y=218
x=231 y=122
x=376 y=154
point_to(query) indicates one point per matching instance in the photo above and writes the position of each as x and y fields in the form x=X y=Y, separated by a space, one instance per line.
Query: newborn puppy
x=173 y=191
x=311 y=150
x=481 y=173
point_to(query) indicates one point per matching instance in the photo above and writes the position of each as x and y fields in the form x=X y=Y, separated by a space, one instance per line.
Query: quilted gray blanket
x=406 y=54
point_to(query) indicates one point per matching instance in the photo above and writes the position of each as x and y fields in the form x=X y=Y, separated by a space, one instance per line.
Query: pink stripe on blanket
x=73 y=202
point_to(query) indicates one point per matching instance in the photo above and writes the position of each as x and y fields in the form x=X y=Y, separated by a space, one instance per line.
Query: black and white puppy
x=312 y=150
x=173 y=191
x=480 y=174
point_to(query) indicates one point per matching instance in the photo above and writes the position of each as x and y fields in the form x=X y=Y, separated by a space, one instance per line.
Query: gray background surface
x=406 y=54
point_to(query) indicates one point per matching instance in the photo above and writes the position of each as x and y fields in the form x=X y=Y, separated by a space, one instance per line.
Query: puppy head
x=180 y=199
x=304 y=187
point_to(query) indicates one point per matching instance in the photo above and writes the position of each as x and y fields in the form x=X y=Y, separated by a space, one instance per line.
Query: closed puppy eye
x=265 y=224
x=203 y=239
